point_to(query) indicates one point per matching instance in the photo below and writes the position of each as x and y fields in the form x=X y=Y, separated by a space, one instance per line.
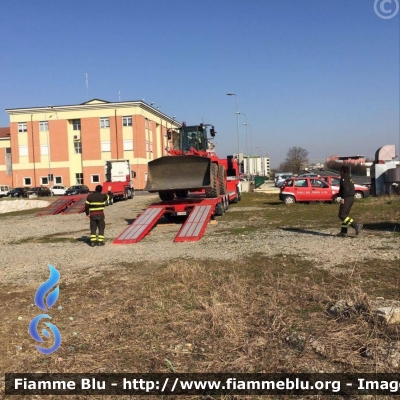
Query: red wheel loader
x=191 y=181
x=191 y=166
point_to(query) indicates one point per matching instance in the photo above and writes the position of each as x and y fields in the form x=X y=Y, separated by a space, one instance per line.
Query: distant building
x=347 y=160
x=256 y=165
x=68 y=145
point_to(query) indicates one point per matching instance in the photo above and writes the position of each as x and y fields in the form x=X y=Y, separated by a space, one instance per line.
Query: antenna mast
x=87 y=87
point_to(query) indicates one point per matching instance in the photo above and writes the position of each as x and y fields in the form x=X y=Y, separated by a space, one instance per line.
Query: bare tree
x=296 y=159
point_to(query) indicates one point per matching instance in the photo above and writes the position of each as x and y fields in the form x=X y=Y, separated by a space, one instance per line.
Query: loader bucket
x=178 y=173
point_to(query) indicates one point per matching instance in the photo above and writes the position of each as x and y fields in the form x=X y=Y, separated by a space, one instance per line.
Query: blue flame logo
x=41 y=301
x=45 y=287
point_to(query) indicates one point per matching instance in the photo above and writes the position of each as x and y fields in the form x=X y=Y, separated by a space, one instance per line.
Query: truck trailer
x=119 y=177
x=192 y=181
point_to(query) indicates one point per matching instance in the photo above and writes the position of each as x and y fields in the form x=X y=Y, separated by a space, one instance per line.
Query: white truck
x=119 y=177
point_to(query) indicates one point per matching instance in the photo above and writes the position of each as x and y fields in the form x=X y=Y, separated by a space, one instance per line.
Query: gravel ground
x=25 y=261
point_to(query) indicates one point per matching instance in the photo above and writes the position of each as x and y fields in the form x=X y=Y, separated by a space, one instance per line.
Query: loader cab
x=193 y=137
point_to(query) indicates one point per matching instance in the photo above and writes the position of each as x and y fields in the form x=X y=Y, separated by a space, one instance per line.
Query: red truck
x=119 y=178
x=192 y=181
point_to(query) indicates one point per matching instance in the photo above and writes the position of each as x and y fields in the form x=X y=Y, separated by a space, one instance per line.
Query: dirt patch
x=260 y=315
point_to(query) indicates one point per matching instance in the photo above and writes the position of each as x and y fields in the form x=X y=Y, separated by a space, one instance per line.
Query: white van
x=4 y=189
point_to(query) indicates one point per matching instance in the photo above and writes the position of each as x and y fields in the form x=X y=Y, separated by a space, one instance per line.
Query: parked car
x=280 y=179
x=300 y=189
x=77 y=189
x=361 y=191
x=19 y=192
x=4 y=189
x=58 y=190
x=309 y=175
x=39 y=191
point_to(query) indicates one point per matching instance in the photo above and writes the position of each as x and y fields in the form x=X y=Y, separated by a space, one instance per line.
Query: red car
x=300 y=189
x=361 y=191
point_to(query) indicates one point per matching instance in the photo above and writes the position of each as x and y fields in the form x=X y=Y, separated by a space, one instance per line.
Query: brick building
x=70 y=144
x=347 y=160
x=5 y=157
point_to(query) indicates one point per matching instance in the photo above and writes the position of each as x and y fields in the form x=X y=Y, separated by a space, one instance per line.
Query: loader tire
x=236 y=199
x=181 y=193
x=213 y=192
x=221 y=176
x=166 y=196
x=219 y=210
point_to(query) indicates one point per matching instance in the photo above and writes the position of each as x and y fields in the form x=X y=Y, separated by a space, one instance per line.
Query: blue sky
x=320 y=74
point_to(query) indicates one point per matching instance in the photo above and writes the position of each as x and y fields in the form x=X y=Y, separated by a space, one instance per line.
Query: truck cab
x=119 y=178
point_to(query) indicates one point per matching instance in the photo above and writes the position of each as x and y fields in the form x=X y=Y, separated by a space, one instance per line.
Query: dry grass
x=262 y=315
x=377 y=213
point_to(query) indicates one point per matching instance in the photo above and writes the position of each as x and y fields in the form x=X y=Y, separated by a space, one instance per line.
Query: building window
x=76 y=124
x=126 y=121
x=79 y=179
x=43 y=126
x=27 y=181
x=106 y=146
x=78 y=147
x=95 y=178
x=44 y=149
x=104 y=122
x=58 y=180
x=8 y=150
x=44 y=180
x=22 y=127
x=23 y=151
x=128 y=144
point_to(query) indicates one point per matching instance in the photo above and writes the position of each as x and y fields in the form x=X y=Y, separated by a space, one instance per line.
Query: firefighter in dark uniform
x=346 y=194
x=94 y=208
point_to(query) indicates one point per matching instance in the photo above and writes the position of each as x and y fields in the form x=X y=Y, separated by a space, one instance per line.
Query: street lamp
x=251 y=143
x=237 y=119
x=251 y=137
x=257 y=148
x=247 y=150
x=48 y=141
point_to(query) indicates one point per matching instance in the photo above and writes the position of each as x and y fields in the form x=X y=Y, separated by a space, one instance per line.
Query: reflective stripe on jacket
x=95 y=202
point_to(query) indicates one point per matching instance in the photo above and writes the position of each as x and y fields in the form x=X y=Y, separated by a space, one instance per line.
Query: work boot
x=100 y=243
x=358 y=229
x=93 y=244
x=342 y=234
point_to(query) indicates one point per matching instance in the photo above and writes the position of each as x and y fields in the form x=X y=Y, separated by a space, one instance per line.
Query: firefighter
x=94 y=208
x=346 y=195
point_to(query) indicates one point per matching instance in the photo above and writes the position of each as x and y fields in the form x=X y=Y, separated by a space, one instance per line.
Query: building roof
x=350 y=158
x=94 y=104
x=5 y=132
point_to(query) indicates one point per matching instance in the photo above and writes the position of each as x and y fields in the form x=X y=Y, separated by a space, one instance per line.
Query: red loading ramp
x=58 y=206
x=77 y=207
x=196 y=223
x=141 y=226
